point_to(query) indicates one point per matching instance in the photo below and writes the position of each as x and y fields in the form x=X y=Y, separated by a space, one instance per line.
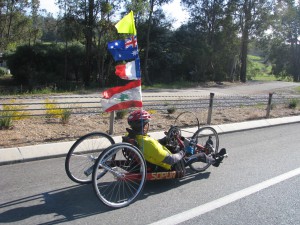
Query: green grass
x=265 y=77
x=297 y=89
x=257 y=70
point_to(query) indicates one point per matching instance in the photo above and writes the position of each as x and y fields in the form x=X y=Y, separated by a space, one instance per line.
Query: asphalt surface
x=51 y=150
x=39 y=192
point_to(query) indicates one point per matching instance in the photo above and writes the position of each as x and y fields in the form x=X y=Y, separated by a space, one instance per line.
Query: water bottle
x=189 y=147
x=189 y=150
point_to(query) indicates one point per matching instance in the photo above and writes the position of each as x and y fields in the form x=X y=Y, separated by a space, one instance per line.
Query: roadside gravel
x=237 y=108
x=40 y=130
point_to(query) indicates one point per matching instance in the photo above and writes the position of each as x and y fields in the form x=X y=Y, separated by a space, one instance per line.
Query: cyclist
x=153 y=150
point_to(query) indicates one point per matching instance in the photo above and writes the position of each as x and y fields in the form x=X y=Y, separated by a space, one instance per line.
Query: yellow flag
x=126 y=24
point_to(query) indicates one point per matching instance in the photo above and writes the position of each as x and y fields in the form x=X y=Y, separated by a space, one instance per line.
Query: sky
x=173 y=10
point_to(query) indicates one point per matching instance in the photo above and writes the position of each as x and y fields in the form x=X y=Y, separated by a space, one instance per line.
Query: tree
x=214 y=36
x=284 y=41
x=68 y=24
x=49 y=28
x=253 y=15
x=35 y=30
x=146 y=11
x=161 y=54
x=13 y=23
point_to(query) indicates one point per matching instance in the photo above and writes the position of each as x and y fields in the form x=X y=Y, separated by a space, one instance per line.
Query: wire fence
x=39 y=106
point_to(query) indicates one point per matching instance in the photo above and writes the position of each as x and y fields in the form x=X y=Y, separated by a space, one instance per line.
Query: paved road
x=249 y=88
x=40 y=193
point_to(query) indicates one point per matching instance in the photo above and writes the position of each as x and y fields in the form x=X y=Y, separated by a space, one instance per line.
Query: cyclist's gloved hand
x=182 y=153
x=174 y=149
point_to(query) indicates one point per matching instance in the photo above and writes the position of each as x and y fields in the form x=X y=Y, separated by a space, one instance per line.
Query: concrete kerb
x=52 y=150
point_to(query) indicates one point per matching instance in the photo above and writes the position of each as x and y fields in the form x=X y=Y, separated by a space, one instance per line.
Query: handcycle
x=118 y=171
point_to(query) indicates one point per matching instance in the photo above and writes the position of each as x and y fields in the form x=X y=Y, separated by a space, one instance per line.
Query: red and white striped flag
x=122 y=97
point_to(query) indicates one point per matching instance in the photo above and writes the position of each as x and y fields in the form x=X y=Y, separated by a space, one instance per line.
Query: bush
x=65 y=116
x=2 y=71
x=152 y=111
x=171 y=110
x=54 y=111
x=43 y=64
x=121 y=114
x=9 y=113
x=5 y=121
x=293 y=104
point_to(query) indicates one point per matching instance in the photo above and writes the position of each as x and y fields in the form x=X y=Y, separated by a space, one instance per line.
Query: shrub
x=9 y=113
x=2 y=71
x=42 y=64
x=54 y=111
x=292 y=103
x=65 y=116
x=171 y=110
x=121 y=114
x=5 y=121
x=152 y=111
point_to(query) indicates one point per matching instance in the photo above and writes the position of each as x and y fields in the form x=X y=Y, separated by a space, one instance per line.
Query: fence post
x=111 y=122
x=269 y=105
x=210 y=108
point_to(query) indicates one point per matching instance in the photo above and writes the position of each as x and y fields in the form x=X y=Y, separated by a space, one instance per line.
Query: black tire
x=83 y=154
x=118 y=180
x=208 y=138
x=181 y=122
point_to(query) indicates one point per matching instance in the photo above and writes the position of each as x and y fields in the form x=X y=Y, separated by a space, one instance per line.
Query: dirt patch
x=40 y=130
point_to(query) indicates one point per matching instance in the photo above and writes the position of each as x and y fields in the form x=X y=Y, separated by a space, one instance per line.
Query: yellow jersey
x=153 y=151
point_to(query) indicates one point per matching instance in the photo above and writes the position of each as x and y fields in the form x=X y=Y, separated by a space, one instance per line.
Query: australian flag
x=131 y=42
x=124 y=50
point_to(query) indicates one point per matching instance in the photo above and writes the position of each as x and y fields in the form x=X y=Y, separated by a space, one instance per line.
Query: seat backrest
x=130 y=141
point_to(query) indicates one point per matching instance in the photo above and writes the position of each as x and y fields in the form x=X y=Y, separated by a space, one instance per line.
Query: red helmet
x=138 y=118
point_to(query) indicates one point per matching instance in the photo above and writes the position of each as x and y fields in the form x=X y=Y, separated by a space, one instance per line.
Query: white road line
x=197 y=211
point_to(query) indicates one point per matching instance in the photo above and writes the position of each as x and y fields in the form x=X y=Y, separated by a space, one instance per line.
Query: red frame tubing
x=153 y=176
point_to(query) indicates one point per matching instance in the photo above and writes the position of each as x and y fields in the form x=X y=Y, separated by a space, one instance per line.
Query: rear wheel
x=119 y=178
x=83 y=154
x=207 y=141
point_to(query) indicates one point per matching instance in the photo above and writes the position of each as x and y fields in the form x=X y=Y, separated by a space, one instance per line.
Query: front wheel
x=207 y=141
x=119 y=178
x=83 y=154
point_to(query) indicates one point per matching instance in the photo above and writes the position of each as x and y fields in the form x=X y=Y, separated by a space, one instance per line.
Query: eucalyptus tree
x=253 y=16
x=67 y=28
x=145 y=11
x=88 y=18
x=105 y=32
x=214 y=36
x=285 y=51
x=243 y=19
x=49 y=28
x=35 y=30
x=13 y=23
x=162 y=50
